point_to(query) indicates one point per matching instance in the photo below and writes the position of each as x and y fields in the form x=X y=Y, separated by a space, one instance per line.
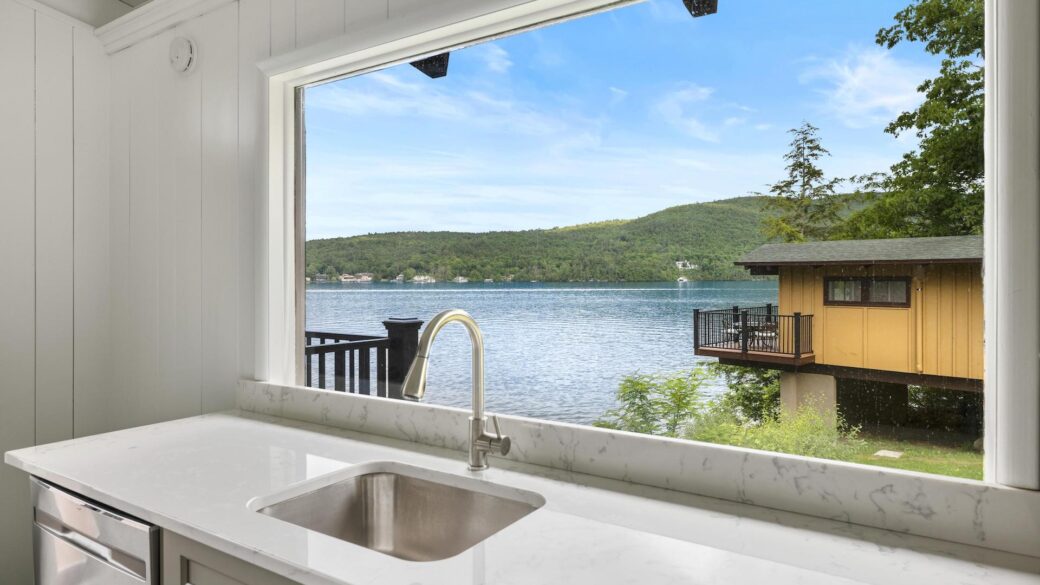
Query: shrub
x=808 y=432
x=745 y=416
x=753 y=394
x=656 y=405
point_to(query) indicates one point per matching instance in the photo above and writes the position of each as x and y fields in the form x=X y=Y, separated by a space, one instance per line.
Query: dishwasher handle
x=107 y=535
x=97 y=550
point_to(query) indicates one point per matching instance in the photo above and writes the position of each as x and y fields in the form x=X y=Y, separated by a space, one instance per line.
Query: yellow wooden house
x=902 y=311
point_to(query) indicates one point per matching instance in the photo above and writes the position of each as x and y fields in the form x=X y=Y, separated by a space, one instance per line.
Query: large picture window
x=604 y=224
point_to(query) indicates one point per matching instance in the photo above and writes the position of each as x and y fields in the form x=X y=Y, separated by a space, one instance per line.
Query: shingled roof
x=892 y=251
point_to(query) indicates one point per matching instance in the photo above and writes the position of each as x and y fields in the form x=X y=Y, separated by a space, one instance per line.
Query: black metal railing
x=350 y=362
x=753 y=329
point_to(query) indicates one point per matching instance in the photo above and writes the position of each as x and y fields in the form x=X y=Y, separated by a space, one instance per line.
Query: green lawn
x=924 y=457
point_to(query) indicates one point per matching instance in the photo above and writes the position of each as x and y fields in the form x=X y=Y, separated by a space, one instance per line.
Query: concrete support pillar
x=799 y=389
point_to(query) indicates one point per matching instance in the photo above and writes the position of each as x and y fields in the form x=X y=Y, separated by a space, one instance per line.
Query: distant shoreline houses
x=368 y=277
x=360 y=277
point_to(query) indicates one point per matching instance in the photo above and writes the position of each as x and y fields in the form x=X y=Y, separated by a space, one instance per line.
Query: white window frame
x=1012 y=238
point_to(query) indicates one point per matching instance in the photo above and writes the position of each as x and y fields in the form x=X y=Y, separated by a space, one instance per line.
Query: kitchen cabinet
x=186 y=562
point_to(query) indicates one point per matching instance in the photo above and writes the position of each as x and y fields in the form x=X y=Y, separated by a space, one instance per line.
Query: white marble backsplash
x=964 y=511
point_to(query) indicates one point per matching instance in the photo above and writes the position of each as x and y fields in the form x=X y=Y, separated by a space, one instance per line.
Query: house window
x=868 y=292
x=497 y=189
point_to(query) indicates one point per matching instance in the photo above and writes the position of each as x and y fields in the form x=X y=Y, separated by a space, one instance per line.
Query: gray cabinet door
x=186 y=562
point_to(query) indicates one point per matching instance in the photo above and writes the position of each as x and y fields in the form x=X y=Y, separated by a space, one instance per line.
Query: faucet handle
x=500 y=444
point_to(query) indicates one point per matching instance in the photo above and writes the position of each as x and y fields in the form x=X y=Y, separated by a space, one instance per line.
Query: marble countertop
x=196 y=476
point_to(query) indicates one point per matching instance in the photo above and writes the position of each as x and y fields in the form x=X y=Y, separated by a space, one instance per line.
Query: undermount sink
x=408 y=512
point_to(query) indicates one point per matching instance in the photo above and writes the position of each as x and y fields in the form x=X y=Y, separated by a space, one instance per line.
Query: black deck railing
x=753 y=329
x=351 y=362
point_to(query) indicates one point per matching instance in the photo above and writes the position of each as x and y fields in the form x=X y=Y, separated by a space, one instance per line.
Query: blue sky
x=607 y=117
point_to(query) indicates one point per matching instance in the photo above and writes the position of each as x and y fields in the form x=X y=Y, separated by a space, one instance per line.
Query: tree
x=937 y=189
x=804 y=204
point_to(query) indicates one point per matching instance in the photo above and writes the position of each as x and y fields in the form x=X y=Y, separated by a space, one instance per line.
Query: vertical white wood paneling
x=254 y=46
x=186 y=117
x=166 y=397
x=317 y=20
x=143 y=259
x=54 y=230
x=17 y=297
x=92 y=326
x=359 y=13
x=283 y=26
x=119 y=221
x=219 y=73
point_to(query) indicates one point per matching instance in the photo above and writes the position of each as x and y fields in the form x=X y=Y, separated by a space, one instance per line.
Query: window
x=570 y=199
x=868 y=292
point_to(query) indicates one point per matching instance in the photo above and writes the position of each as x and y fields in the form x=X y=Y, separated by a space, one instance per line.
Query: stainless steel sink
x=407 y=512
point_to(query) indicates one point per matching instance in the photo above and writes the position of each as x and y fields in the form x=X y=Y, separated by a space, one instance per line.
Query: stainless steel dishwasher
x=79 y=542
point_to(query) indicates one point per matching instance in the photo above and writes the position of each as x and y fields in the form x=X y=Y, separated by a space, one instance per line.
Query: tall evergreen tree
x=804 y=204
x=937 y=189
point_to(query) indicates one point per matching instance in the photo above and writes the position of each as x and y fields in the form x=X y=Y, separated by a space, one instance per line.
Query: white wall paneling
x=282 y=26
x=175 y=139
x=219 y=75
x=54 y=247
x=320 y=19
x=359 y=13
x=17 y=287
x=54 y=230
x=187 y=160
x=121 y=389
x=92 y=318
x=254 y=46
x=143 y=259
x=179 y=274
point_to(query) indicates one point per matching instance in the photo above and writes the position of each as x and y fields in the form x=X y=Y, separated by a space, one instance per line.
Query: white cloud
x=762 y=127
x=617 y=95
x=734 y=121
x=675 y=107
x=867 y=86
x=496 y=58
x=388 y=94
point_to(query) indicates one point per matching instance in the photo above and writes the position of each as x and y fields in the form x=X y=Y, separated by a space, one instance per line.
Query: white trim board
x=1011 y=279
x=151 y=19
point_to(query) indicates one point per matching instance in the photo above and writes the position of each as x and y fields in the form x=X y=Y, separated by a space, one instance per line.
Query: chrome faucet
x=481 y=443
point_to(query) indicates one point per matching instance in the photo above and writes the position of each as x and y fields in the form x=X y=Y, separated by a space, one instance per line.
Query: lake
x=553 y=350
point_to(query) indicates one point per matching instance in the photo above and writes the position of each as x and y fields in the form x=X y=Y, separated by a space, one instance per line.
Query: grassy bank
x=962 y=461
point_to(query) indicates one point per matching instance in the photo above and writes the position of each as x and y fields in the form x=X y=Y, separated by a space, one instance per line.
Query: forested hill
x=709 y=235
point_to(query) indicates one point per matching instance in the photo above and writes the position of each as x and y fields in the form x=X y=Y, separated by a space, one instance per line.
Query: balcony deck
x=754 y=335
x=735 y=355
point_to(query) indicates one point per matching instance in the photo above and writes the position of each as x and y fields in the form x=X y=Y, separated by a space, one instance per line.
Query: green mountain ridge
x=710 y=235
